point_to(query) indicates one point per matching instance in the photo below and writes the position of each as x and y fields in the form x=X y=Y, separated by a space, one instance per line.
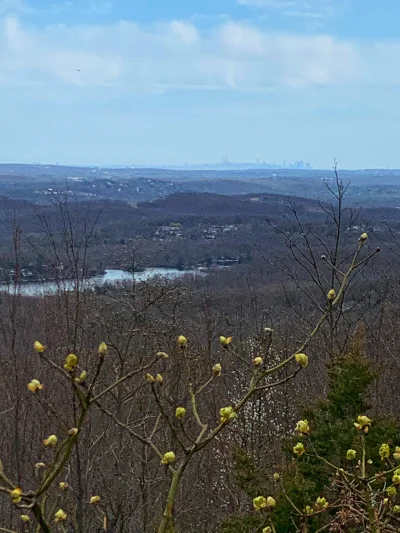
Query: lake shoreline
x=110 y=277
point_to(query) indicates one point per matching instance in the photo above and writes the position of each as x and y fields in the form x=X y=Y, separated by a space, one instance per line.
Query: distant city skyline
x=163 y=82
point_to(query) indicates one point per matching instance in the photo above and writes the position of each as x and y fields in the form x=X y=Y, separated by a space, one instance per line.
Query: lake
x=110 y=276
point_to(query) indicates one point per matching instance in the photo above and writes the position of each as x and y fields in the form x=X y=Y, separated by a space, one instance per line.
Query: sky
x=169 y=82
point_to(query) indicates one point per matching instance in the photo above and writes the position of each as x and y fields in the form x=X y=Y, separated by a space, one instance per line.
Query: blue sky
x=176 y=81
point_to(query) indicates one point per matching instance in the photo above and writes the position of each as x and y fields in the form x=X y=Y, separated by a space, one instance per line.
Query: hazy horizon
x=163 y=83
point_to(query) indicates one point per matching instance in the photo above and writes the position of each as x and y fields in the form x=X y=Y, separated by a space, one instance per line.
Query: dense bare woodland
x=146 y=399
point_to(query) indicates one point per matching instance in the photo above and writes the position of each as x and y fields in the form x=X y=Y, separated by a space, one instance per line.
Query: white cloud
x=176 y=55
x=186 y=31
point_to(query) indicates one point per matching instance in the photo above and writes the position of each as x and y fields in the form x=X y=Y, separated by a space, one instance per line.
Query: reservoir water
x=40 y=288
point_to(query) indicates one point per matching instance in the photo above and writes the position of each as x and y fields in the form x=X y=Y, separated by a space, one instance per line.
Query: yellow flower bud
x=182 y=341
x=169 y=457
x=159 y=378
x=277 y=477
x=50 y=441
x=180 y=412
x=384 y=451
x=82 y=378
x=40 y=465
x=38 y=347
x=363 y=237
x=94 y=500
x=271 y=501
x=217 y=369
x=71 y=362
x=299 y=449
x=257 y=361
x=35 y=386
x=150 y=378
x=259 y=503
x=396 y=478
x=363 y=423
x=385 y=501
x=396 y=509
x=396 y=454
x=301 y=359
x=267 y=530
x=103 y=349
x=226 y=414
x=16 y=495
x=309 y=510
x=225 y=341
x=321 y=503
x=25 y=518
x=60 y=516
x=303 y=427
x=391 y=491
x=331 y=295
x=351 y=454
x=63 y=485
x=162 y=355
x=73 y=431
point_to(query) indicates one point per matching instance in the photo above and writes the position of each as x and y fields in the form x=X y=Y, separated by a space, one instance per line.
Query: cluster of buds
x=168 y=457
x=391 y=491
x=71 y=362
x=225 y=341
x=226 y=414
x=396 y=454
x=51 y=441
x=35 y=386
x=16 y=495
x=351 y=454
x=302 y=427
x=363 y=423
x=301 y=359
x=260 y=502
x=321 y=503
x=396 y=477
x=60 y=516
x=384 y=451
x=217 y=370
x=299 y=449
x=157 y=379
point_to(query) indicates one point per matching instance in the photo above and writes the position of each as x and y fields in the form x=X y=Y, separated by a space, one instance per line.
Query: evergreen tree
x=331 y=420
